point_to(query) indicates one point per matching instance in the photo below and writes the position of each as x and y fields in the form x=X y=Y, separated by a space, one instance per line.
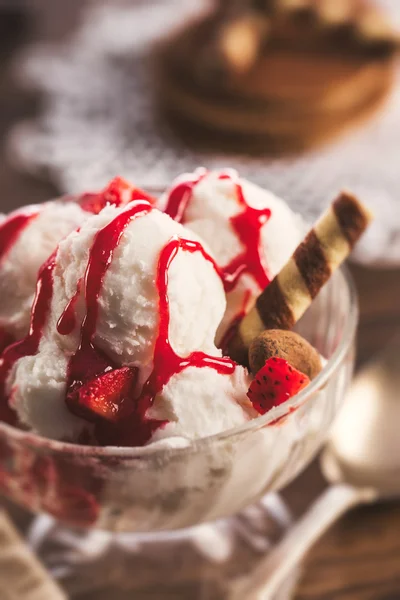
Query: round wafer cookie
x=237 y=115
x=288 y=100
x=301 y=81
x=208 y=138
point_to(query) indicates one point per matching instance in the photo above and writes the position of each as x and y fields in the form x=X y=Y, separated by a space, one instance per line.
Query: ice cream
x=27 y=238
x=219 y=403
x=131 y=308
x=249 y=230
x=127 y=311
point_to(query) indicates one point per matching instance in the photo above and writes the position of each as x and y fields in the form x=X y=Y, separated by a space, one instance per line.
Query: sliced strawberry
x=118 y=193
x=275 y=383
x=92 y=203
x=139 y=194
x=88 y=363
x=108 y=396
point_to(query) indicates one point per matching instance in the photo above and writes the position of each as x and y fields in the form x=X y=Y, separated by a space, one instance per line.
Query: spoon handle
x=277 y=566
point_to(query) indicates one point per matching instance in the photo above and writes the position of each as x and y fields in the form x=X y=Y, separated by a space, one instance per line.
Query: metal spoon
x=361 y=461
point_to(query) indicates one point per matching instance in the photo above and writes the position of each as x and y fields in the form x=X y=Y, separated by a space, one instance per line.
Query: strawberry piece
x=275 y=383
x=108 y=396
x=92 y=203
x=118 y=193
x=87 y=364
x=139 y=194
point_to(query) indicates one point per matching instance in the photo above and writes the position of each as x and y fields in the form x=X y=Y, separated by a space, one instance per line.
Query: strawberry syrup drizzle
x=11 y=229
x=29 y=345
x=67 y=322
x=166 y=362
x=88 y=361
x=179 y=196
x=247 y=226
x=136 y=428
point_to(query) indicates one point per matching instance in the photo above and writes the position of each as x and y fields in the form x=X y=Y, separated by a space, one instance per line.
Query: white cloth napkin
x=22 y=576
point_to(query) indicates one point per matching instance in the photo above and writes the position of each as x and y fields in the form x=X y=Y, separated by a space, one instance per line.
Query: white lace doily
x=98 y=120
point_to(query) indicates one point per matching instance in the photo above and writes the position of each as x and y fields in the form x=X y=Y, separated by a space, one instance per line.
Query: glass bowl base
x=201 y=563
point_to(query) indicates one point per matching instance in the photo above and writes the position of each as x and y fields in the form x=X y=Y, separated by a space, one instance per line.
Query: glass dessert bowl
x=176 y=483
x=133 y=368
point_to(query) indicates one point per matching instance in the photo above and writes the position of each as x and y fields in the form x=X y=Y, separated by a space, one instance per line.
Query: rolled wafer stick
x=291 y=292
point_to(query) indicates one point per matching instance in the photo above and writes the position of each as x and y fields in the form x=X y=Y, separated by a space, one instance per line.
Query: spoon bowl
x=364 y=446
x=384 y=484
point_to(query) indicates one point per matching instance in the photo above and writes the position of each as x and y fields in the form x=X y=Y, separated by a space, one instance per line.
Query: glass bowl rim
x=163 y=446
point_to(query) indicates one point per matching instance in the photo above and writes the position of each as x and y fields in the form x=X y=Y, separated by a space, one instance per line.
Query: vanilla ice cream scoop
x=128 y=300
x=123 y=328
x=29 y=236
x=250 y=231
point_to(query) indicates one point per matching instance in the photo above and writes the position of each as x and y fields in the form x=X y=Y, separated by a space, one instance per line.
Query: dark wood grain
x=359 y=558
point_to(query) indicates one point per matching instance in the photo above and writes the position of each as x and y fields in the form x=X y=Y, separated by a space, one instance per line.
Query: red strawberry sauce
x=166 y=362
x=89 y=361
x=247 y=225
x=10 y=231
x=29 y=345
x=12 y=228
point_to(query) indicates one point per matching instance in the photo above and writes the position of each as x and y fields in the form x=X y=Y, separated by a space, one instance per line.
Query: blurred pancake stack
x=276 y=76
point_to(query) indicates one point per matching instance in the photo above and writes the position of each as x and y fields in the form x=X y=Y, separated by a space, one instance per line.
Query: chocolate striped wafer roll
x=291 y=292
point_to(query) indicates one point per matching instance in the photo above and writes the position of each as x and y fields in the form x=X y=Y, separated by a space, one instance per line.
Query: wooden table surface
x=359 y=558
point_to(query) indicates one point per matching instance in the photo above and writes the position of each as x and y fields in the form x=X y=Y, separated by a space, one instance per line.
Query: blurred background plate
x=98 y=119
